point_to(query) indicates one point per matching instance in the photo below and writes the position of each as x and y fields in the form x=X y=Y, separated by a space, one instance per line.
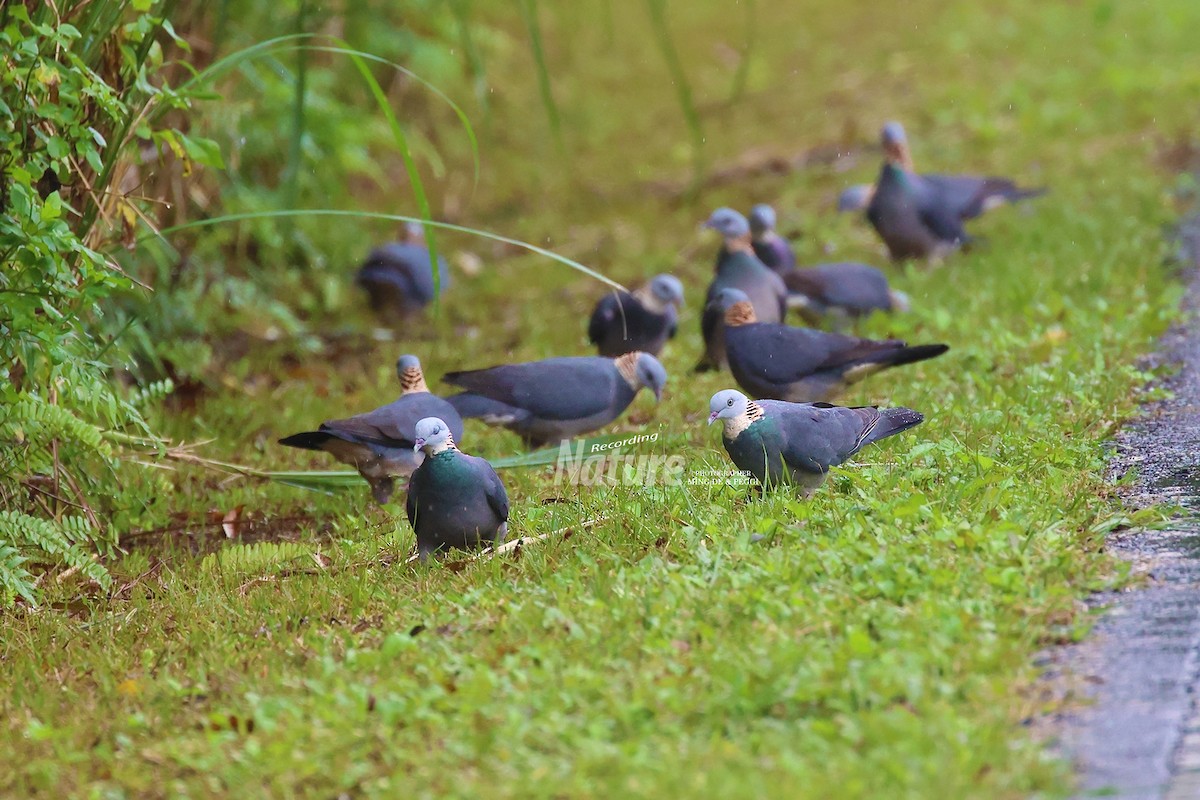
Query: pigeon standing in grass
x=738 y=268
x=771 y=248
x=803 y=365
x=841 y=291
x=797 y=443
x=454 y=500
x=968 y=196
x=398 y=278
x=624 y=322
x=558 y=398
x=379 y=444
x=912 y=221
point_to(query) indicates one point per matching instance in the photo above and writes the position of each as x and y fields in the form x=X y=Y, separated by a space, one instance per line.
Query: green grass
x=877 y=643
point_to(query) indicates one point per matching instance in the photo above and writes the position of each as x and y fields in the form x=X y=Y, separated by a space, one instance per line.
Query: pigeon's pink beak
x=418 y=444
x=712 y=417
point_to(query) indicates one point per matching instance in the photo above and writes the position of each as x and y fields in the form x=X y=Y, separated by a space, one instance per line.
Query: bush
x=82 y=111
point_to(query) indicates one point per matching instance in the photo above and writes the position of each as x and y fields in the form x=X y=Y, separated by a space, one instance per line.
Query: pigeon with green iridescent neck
x=738 y=268
x=968 y=196
x=841 y=291
x=771 y=248
x=803 y=365
x=558 y=398
x=398 y=279
x=797 y=443
x=644 y=320
x=379 y=444
x=454 y=500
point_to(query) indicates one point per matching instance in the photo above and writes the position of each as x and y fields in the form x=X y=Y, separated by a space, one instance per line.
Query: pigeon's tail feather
x=309 y=440
x=471 y=405
x=892 y=421
x=910 y=355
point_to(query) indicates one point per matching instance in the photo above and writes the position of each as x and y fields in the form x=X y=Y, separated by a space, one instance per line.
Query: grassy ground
x=877 y=643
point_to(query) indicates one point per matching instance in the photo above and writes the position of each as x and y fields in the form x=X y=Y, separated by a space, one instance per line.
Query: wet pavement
x=1137 y=735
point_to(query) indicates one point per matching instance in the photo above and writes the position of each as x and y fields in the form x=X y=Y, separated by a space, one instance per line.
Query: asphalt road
x=1140 y=667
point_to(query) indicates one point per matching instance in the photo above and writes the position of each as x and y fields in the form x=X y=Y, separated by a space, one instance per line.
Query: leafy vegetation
x=80 y=98
x=262 y=640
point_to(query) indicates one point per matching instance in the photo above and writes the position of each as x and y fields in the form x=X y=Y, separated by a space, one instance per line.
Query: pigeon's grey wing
x=780 y=354
x=394 y=425
x=852 y=285
x=554 y=389
x=497 y=497
x=941 y=219
x=817 y=437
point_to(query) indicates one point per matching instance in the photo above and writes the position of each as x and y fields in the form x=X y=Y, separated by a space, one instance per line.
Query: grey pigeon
x=771 y=248
x=379 y=444
x=454 y=500
x=803 y=365
x=843 y=290
x=968 y=196
x=797 y=443
x=738 y=268
x=623 y=322
x=398 y=279
x=558 y=398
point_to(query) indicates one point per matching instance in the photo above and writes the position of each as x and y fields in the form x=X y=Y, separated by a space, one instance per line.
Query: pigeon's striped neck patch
x=736 y=244
x=412 y=379
x=444 y=446
x=735 y=426
x=740 y=313
x=627 y=366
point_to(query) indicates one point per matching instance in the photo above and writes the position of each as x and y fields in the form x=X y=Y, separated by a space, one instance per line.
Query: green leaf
x=203 y=151
x=52 y=208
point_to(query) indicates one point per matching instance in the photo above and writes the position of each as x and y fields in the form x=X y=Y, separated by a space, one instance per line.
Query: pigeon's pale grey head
x=407 y=362
x=432 y=435
x=728 y=223
x=651 y=374
x=762 y=219
x=856 y=197
x=895 y=145
x=892 y=135
x=726 y=404
x=414 y=231
x=667 y=289
x=726 y=297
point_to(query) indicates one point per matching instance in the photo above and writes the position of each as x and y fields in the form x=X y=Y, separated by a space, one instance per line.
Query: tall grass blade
x=414 y=175
x=743 y=69
x=336 y=212
x=529 y=13
x=462 y=17
x=666 y=45
x=292 y=170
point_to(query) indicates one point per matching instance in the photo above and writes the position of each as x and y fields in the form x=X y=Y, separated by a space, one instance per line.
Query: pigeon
x=802 y=365
x=796 y=443
x=737 y=268
x=771 y=248
x=968 y=196
x=454 y=500
x=912 y=223
x=558 y=398
x=379 y=444
x=397 y=277
x=841 y=290
x=644 y=320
